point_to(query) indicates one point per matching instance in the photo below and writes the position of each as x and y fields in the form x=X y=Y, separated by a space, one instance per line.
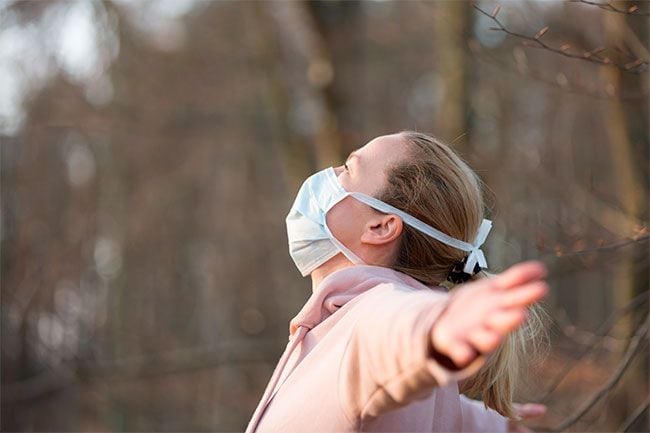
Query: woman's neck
x=337 y=262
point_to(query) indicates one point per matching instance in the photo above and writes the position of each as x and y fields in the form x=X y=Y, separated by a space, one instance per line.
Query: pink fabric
x=357 y=361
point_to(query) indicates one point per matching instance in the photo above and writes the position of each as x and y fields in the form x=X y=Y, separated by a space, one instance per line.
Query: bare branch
x=604 y=247
x=636 y=343
x=632 y=10
x=561 y=81
x=592 y=344
x=636 y=66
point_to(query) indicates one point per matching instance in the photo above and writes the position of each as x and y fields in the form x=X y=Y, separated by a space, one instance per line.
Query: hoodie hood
x=342 y=286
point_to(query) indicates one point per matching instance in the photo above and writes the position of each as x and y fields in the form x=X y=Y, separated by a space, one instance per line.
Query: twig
x=632 y=10
x=592 y=343
x=637 y=66
x=602 y=248
x=633 y=349
x=570 y=86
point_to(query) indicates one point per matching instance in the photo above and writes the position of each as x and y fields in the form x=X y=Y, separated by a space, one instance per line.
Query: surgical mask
x=311 y=243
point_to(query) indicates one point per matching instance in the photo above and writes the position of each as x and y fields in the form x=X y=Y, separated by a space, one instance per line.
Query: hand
x=481 y=313
x=525 y=411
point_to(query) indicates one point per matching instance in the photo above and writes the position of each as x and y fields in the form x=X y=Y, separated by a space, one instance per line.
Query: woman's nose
x=338 y=170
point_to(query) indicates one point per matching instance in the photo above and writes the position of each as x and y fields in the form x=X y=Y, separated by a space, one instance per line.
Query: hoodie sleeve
x=387 y=362
x=478 y=418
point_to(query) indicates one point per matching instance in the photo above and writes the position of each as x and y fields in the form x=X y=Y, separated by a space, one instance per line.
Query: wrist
x=436 y=354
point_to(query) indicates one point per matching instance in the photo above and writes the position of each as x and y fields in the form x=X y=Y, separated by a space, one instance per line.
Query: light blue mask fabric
x=311 y=242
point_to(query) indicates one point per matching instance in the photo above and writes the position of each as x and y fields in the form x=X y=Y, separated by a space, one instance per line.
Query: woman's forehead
x=369 y=164
x=383 y=151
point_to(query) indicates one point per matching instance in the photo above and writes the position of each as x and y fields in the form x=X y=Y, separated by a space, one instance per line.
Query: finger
x=462 y=354
x=484 y=340
x=505 y=320
x=524 y=295
x=532 y=410
x=520 y=273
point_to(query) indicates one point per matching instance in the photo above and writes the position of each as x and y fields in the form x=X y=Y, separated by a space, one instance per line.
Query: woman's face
x=356 y=224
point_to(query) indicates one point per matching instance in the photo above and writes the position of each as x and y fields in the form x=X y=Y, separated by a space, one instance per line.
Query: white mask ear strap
x=345 y=250
x=475 y=253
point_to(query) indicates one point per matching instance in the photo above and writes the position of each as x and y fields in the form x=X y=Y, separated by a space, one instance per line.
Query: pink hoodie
x=357 y=361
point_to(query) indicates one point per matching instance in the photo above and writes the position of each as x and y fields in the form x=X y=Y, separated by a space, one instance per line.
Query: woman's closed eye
x=346 y=167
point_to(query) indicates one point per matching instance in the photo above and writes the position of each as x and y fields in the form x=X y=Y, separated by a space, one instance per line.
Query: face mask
x=311 y=242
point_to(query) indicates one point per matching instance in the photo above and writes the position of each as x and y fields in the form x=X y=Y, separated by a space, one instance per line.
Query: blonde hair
x=437 y=186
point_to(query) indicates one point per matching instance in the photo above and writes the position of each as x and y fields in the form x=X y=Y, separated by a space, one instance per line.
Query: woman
x=381 y=345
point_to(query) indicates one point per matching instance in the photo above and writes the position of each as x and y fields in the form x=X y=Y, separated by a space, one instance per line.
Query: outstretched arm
x=406 y=341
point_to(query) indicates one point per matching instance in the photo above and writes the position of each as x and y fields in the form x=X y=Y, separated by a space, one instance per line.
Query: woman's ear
x=382 y=229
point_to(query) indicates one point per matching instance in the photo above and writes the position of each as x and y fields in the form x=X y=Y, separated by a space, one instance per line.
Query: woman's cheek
x=341 y=220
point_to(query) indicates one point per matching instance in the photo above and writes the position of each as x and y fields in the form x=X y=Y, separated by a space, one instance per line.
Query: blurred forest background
x=151 y=151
